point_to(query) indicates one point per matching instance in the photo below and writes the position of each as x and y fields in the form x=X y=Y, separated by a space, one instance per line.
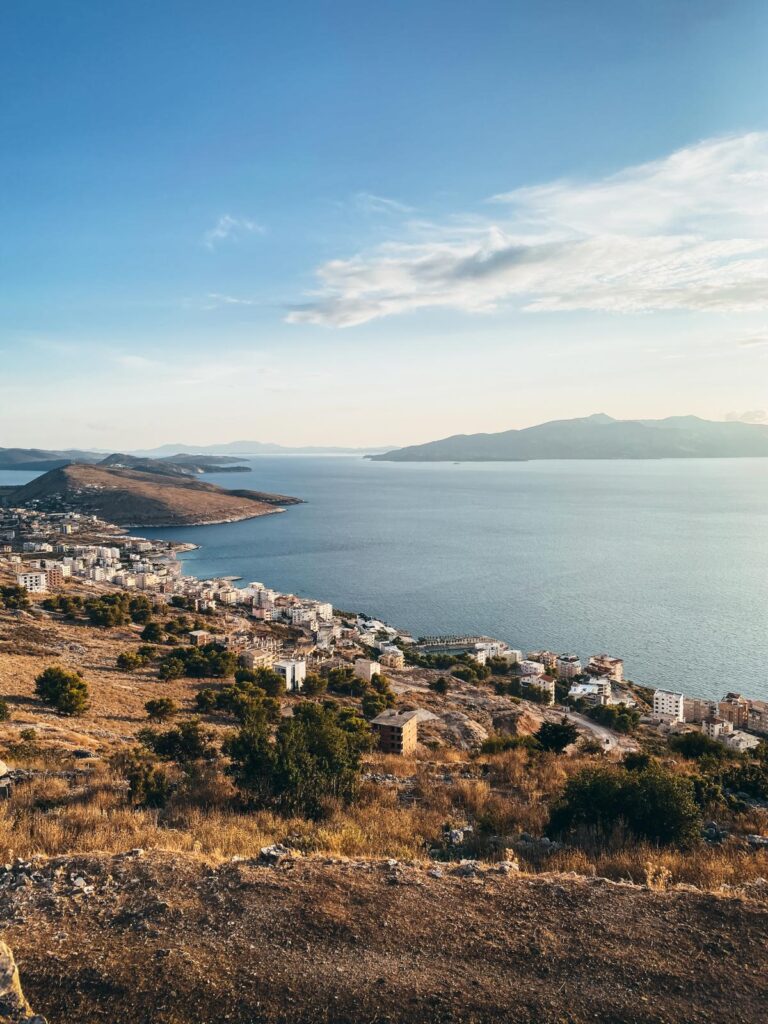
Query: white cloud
x=371 y=203
x=688 y=231
x=229 y=228
x=751 y=416
x=216 y=300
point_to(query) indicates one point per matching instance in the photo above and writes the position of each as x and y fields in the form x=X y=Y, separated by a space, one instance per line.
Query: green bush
x=185 y=743
x=148 y=783
x=66 y=691
x=694 y=745
x=13 y=597
x=556 y=736
x=161 y=709
x=650 y=804
x=315 y=757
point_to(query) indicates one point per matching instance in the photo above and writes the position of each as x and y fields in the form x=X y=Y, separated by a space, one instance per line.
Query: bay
x=663 y=563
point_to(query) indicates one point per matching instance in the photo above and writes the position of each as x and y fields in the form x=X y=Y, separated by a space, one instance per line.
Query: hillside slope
x=132 y=498
x=164 y=938
x=596 y=437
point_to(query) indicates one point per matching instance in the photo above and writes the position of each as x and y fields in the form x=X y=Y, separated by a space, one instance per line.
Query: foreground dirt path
x=166 y=939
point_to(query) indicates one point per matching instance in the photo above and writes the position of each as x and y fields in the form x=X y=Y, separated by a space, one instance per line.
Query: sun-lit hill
x=132 y=498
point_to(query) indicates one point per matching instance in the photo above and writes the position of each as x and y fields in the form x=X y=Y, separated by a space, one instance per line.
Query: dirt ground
x=163 y=939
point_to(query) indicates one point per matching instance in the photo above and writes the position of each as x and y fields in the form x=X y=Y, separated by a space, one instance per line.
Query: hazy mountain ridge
x=596 y=437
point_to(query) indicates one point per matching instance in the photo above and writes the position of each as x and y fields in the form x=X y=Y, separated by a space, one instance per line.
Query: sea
x=663 y=563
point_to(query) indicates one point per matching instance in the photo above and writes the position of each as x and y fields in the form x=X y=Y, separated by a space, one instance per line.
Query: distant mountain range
x=252 y=448
x=195 y=458
x=596 y=437
x=179 y=465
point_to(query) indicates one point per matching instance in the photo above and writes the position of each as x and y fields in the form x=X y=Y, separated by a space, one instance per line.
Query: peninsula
x=596 y=437
x=131 y=497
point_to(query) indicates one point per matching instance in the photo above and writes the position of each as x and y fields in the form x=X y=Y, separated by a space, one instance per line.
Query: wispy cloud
x=751 y=416
x=754 y=341
x=228 y=228
x=370 y=203
x=688 y=231
x=215 y=300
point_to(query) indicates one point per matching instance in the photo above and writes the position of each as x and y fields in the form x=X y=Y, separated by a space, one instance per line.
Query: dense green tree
x=153 y=633
x=14 y=597
x=556 y=736
x=64 y=690
x=186 y=742
x=695 y=745
x=315 y=756
x=650 y=804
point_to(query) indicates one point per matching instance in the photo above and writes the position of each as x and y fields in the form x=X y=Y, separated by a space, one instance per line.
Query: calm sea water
x=664 y=563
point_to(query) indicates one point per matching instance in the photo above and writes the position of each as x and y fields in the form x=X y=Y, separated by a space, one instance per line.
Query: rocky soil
x=165 y=939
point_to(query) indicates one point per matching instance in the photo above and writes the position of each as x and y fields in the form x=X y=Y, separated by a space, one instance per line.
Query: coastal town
x=48 y=553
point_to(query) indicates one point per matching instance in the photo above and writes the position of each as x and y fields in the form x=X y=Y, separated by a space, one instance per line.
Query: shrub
x=621 y=719
x=5 y=710
x=118 y=609
x=153 y=633
x=651 y=804
x=186 y=742
x=499 y=742
x=314 y=685
x=66 y=691
x=161 y=709
x=127 y=661
x=148 y=783
x=210 y=661
x=316 y=756
x=556 y=736
x=12 y=597
x=696 y=744
x=439 y=685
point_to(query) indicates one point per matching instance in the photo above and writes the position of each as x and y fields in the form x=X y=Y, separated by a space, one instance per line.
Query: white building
x=741 y=741
x=716 y=728
x=366 y=669
x=568 y=666
x=669 y=705
x=530 y=668
x=294 y=672
x=597 y=691
x=33 y=582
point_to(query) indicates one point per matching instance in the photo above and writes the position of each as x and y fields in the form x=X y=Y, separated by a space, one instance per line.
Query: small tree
x=148 y=783
x=153 y=633
x=185 y=743
x=556 y=736
x=161 y=709
x=127 y=661
x=439 y=685
x=66 y=691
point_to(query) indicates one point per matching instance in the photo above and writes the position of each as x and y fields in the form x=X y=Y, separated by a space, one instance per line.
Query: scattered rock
x=276 y=854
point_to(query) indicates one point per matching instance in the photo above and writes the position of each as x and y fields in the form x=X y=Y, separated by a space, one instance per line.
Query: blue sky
x=378 y=223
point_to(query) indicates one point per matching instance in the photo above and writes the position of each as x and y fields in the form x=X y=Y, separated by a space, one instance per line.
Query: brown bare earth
x=163 y=939
x=357 y=924
x=131 y=498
